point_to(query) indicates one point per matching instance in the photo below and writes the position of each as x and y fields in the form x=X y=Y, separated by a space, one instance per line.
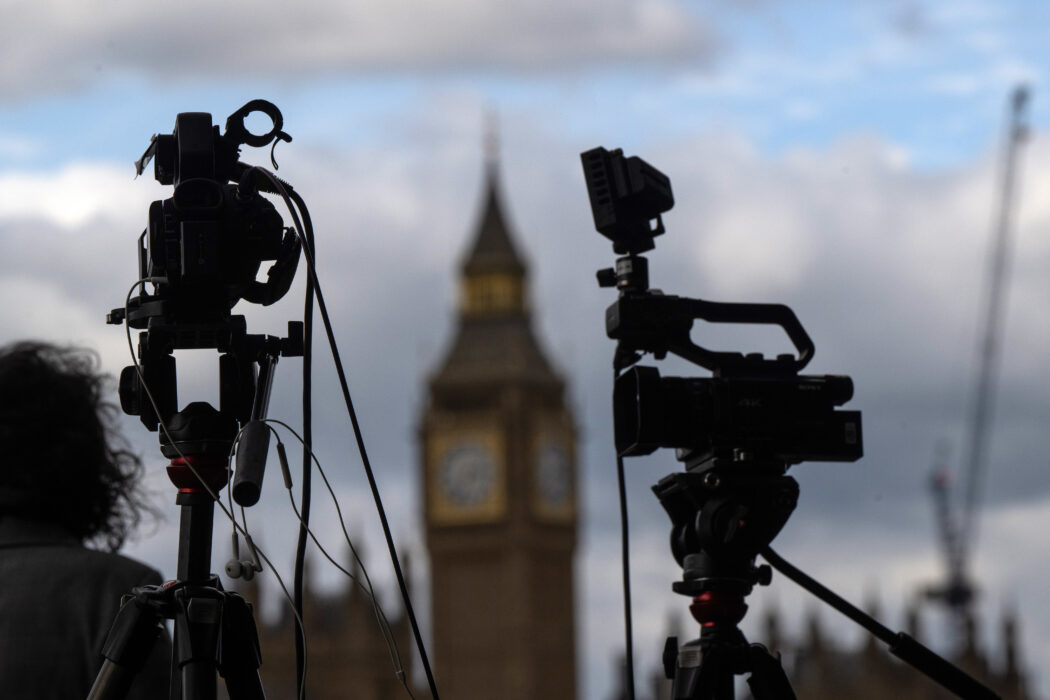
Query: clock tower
x=500 y=488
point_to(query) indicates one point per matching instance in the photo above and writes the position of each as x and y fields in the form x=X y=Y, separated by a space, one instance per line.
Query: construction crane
x=958 y=531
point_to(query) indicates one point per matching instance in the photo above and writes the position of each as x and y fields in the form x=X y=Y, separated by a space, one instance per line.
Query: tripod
x=723 y=512
x=214 y=628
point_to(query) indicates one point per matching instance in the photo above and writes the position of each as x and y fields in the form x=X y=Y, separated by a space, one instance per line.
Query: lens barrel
x=789 y=419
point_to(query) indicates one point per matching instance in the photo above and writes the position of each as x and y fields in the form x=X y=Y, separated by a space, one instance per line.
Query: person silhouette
x=69 y=498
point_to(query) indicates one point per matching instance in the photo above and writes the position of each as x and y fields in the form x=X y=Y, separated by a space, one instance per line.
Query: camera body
x=207 y=243
x=204 y=245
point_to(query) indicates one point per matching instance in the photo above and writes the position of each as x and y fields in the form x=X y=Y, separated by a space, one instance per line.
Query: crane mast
x=959 y=534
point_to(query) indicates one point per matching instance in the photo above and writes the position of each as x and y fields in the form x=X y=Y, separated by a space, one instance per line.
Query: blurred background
x=841 y=158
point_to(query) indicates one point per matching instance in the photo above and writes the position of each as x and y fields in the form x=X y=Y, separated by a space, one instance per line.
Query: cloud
x=75 y=194
x=60 y=44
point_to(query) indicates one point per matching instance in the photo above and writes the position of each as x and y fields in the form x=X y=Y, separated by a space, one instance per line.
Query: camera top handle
x=627 y=198
x=236 y=130
x=657 y=323
x=645 y=320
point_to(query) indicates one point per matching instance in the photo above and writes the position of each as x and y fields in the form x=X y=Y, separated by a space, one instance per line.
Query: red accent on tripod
x=212 y=470
x=714 y=608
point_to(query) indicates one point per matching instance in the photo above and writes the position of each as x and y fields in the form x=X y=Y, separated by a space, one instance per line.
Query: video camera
x=202 y=251
x=754 y=404
x=205 y=244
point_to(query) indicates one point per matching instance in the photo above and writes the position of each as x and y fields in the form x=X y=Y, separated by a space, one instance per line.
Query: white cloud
x=75 y=194
x=35 y=307
x=60 y=44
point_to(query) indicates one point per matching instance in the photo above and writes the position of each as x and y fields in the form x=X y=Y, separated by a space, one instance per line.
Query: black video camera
x=201 y=251
x=204 y=245
x=752 y=405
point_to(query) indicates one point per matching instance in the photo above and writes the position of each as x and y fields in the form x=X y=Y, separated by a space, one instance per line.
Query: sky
x=841 y=158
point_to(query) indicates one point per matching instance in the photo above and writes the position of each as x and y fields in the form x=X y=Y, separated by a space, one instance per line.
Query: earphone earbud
x=242 y=568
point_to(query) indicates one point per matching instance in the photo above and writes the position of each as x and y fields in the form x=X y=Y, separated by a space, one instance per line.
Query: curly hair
x=62 y=459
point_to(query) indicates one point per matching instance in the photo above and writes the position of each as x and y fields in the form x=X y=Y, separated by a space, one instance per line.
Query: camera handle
x=236 y=130
x=236 y=133
x=645 y=320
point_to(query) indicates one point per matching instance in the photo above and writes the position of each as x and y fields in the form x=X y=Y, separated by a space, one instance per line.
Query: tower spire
x=490 y=142
x=494 y=337
x=494 y=273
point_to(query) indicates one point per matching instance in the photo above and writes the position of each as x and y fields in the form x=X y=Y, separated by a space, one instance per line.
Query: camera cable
x=307 y=441
x=289 y=195
x=365 y=585
x=628 y=660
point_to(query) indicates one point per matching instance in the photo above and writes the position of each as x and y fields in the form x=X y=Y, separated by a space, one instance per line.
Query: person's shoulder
x=119 y=566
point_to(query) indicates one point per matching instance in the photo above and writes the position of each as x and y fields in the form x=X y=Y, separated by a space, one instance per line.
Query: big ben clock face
x=467 y=475
x=553 y=474
x=466 y=482
x=553 y=496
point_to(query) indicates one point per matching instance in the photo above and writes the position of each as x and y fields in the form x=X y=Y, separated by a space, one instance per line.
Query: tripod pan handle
x=252 y=447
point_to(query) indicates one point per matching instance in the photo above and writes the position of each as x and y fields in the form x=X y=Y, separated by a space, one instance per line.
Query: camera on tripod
x=201 y=252
x=736 y=432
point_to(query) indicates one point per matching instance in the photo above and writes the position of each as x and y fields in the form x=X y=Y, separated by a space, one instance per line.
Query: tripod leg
x=131 y=638
x=239 y=654
x=768 y=680
x=702 y=674
x=198 y=617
